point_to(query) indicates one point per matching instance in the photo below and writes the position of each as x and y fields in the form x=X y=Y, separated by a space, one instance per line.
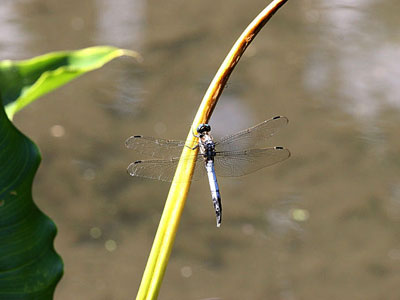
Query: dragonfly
x=234 y=155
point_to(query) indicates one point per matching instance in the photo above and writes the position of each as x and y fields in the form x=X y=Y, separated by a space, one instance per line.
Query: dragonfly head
x=203 y=128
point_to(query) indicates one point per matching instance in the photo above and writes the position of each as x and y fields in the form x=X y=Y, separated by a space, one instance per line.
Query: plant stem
x=170 y=218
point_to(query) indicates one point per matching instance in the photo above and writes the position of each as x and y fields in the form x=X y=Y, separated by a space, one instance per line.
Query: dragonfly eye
x=203 y=128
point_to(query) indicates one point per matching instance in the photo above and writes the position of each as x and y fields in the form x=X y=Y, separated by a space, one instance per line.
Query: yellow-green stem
x=170 y=218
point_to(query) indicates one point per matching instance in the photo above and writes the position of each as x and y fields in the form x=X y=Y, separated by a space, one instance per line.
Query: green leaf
x=29 y=266
x=22 y=82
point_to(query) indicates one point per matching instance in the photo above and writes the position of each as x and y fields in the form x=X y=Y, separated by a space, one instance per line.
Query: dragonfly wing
x=239 y=163
x=253 y=137
x=162 y=169
x=154 y=147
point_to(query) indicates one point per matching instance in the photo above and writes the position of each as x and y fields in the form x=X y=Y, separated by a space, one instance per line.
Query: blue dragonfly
x=234 y=155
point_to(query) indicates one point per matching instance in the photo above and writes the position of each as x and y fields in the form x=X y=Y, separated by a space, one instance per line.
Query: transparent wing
x=153 y=147
x=239 y=163
x=163 y=169
x=253 y=137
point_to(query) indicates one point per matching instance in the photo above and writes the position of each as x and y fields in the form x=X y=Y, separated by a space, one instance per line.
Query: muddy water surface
x=324 y=224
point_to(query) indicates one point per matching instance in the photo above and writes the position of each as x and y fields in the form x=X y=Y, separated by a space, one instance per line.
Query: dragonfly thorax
x=207 y=147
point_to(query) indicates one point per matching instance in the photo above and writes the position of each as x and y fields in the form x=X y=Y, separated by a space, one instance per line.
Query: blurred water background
x=324 y=224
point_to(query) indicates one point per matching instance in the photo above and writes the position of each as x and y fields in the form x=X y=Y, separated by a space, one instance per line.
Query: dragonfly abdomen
x=215 y=195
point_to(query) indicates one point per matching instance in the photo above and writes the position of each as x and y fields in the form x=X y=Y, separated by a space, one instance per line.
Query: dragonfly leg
x=195 y=147
x=196 y=135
